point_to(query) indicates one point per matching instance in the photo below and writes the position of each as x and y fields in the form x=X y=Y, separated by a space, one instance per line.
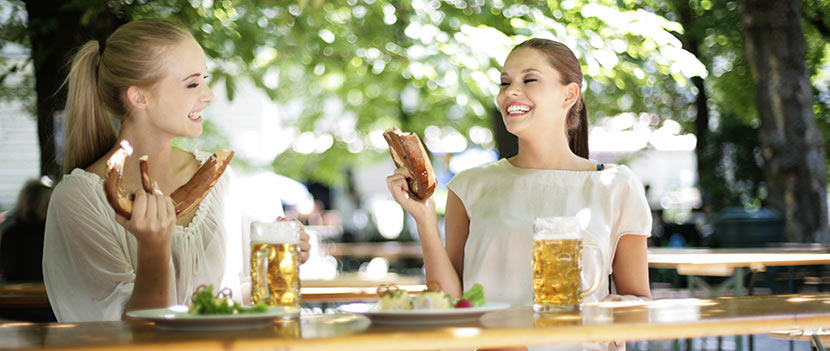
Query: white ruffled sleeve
x=632 y=215
x=86 y=266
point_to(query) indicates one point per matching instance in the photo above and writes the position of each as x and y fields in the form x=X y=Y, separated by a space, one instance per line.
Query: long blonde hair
x=98 y=81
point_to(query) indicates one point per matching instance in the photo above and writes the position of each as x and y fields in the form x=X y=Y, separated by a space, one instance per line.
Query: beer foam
x=547 y=228
x=276 y=232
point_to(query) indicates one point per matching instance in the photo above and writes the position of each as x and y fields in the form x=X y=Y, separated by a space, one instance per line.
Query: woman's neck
x=163 y=163
x=553 y=153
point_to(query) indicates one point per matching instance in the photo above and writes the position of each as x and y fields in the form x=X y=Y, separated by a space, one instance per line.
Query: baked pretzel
x=407 y=151
x=185 y=198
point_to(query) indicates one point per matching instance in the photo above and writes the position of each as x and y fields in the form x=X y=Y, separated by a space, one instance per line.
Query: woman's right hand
x=153 y=220
x=421 y=210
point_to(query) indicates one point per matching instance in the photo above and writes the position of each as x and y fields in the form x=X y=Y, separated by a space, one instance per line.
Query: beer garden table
x=654 y=320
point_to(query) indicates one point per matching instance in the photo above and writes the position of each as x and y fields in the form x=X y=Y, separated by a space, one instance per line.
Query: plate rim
x=493 y=306
x=169 y=314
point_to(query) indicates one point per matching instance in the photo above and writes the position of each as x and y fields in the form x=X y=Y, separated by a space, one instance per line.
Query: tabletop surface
x=660 y=319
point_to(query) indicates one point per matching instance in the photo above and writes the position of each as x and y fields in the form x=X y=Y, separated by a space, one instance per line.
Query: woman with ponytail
x=145 y=83
x=490 y=209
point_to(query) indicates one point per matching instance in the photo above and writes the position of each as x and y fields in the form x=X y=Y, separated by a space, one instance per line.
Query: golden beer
x=556 y=273
x=557 y=268
x=280 y=265
x=275 y=264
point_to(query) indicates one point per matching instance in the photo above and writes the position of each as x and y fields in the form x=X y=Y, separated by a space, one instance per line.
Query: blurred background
x=687 y=93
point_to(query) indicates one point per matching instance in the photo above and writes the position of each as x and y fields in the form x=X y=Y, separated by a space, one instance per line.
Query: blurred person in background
x=21 y=241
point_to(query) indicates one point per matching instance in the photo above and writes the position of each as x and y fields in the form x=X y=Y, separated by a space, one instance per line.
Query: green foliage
x=354 y=67
x=16 y=79
x=416 y=64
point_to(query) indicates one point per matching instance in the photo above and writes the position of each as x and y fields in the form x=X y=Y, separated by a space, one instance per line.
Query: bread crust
x=408 y=151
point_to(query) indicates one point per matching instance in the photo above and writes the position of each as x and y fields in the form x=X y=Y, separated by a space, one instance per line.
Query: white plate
x=176 y=319
x=423 y=317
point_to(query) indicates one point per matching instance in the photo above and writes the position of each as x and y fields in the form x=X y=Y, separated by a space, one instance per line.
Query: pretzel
x=407 y=151
x=185 y=198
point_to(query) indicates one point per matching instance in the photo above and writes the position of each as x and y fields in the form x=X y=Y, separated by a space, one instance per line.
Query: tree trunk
x=792 y=146
x=691 y=40
x=55 y=32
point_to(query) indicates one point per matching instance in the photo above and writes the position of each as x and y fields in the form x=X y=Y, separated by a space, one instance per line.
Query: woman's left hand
x=305 y=245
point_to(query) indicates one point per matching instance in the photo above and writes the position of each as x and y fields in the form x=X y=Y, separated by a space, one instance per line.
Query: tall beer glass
x=557 y=265
x=275 y=264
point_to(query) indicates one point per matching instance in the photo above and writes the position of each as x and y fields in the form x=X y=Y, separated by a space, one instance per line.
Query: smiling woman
x=150 y=75
x=491 y=209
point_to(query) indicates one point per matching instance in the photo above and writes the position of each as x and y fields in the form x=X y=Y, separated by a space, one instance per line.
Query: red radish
x=463 y=303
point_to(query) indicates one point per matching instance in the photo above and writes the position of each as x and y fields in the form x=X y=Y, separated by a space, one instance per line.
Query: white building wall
x=19 y=152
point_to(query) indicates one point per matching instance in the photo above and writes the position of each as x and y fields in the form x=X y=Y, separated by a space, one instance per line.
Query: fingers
x=171 y=209
x=398 y=187
x=403 y=171
x=305 y=244
x=139 y=206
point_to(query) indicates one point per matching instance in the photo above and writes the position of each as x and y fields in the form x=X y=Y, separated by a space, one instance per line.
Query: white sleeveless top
x=89 y=260
x=503 y=200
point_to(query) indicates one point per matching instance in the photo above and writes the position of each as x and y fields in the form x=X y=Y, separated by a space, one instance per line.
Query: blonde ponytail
x=88 y=130
x=98 y=81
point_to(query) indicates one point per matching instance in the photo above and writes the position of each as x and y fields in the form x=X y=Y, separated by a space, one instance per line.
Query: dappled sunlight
x=387 y=215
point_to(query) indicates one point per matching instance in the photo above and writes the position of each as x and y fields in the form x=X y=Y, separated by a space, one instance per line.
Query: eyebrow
x=191 y=76
x=525 y=71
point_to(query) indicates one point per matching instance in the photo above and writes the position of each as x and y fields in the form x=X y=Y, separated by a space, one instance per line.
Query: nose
x=513 y=90
x=207 y=96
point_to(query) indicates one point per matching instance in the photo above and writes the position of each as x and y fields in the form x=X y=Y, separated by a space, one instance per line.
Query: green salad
x=471 y=298
x=204 y=303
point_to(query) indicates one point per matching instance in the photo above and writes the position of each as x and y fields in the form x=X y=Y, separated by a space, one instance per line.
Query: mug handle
x=597 y=278
x=262 y=273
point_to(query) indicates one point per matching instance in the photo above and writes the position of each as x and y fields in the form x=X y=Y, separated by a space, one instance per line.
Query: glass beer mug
x=275 y=264
x=557 y=265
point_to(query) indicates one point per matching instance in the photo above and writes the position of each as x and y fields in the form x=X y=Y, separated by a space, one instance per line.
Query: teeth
x=517 y=109
x=193 y=115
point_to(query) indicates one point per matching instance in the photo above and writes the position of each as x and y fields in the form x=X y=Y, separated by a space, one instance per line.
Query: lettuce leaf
x=475 y=295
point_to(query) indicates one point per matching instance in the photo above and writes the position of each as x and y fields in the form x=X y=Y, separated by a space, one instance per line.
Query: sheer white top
x=89 y=260
x=502 y=201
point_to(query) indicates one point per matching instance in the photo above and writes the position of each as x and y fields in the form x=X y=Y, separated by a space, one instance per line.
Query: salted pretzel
x=185 y=198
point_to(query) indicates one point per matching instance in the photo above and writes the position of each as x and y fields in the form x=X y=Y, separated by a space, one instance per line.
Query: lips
x=195 y=116
x=517 y=109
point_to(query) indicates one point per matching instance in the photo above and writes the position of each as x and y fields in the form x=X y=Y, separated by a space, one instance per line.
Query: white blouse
x=89 y=260
x=503 y=200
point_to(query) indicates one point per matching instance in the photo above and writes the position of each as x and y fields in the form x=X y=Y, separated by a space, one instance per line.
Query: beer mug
x=275 y=264
x=557 y=265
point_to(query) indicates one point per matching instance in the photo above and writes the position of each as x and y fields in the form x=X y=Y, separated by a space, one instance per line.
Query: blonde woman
x=150 y=75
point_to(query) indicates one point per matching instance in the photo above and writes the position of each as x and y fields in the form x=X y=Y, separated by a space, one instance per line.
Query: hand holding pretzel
x=185 y=199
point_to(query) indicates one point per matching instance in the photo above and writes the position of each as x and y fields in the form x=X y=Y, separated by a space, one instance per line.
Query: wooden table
x=728 y=263
x=655 y=320
x=346 y=288
x=723 y=262
x=391 y=251
x=731 y=263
